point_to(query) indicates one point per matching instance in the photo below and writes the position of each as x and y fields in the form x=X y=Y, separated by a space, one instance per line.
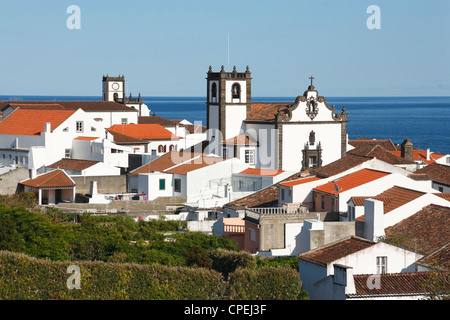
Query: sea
x=424 y=120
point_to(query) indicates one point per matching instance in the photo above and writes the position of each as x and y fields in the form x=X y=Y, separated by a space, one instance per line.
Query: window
x=172 y=147
x=162 y=184
x=447 y=160
x=214 y=90
x=177 y=185
x=333 y=204
x=124 y=121
x=93 y=129
x=252 y=234
x=381 y=265
x=160 y=148
x=282 y=194
x=66 y=129
x=67 y=153
x=225 y=153
x=250 y=156
x=312 y=162
x=441 y=189
x=323 y=201
x=80 y=126
x=236 y=91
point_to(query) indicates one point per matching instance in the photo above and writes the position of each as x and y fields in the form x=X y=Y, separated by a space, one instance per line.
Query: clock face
x=115 y=86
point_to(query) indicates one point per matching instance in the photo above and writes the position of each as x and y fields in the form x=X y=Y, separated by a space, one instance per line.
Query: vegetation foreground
x=118 y=258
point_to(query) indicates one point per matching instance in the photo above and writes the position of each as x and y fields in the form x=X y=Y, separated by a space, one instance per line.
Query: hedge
x=26 y=278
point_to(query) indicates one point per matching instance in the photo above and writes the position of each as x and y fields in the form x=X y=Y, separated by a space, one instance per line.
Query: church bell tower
x=228 y=101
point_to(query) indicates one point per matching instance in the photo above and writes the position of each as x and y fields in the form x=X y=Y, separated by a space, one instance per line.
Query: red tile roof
x=262 y=172
x=143 y=131
x=422 y=155
x=32 y=121
x=332 y=252
x=292 y=183
x=438 y=259
x=351 y=181
x=424 y=231
x=392 y=198
x=86 y=138
x=266 y=111
x=154 y=119
x=53 y=179
x=401 y=284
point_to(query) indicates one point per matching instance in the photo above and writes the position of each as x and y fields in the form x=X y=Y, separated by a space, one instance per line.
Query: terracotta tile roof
x=391 y=198
x=87 y=138
x=399 y=284
x=265 y=197
x=32 y=121
x=241 y=139
x=165 y=162
x=195 y=128
x=379 y=152
x=194 y=164
x=49 y=106
x=351 y=181
x=120 y=138
x=53 y=179
x=73 y=164
x=88 y=106
x=341 y=165
x=385 y=143
x=437 y=172
x=424 y=231
x=154 y=119
x=438 y=259
x=266 y=111
x=296 y=182
x=422 y=155
x=262 y=172
x=445 y=196
x=143 y=131
x=323 y=256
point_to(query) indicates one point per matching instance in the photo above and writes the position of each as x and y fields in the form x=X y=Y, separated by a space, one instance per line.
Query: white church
x=289 y=136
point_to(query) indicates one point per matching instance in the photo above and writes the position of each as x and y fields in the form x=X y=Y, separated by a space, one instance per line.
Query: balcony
x=287 y=210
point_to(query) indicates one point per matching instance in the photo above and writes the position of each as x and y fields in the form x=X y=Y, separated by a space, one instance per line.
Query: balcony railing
x=286 y=209
x=234 y=229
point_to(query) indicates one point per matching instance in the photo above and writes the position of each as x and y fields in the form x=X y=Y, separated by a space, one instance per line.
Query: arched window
x=236 y=91
x=172 y=147
x=165 y=148
x=160 y=148
x=214 y=90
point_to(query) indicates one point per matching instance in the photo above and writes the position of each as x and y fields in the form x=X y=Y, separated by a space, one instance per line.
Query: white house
x=320 y=268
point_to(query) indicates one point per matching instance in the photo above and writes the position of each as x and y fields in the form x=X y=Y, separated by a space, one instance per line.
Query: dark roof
x=72 y=164
x=337 y=250
x=425 y=231
x=438 y=259
x=385 y=143
x=343 y=164
x=156 y=120
x=437 y=172
x=378 y=151
x=400 y=284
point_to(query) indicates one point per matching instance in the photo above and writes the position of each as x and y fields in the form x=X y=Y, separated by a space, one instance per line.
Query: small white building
x=51 y=187
x=320 y=269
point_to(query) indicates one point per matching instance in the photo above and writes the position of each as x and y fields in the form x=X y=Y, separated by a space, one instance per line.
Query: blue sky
x=164 y=47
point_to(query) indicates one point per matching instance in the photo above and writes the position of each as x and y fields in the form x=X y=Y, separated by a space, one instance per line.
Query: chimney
x=48 y=127
x=373 y=219
x=428 y=153
x=407 y=150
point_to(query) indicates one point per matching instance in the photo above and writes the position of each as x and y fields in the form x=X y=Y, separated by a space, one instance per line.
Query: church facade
x=291 y=136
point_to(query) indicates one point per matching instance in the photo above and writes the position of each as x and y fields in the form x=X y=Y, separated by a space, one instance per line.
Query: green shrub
x=226 y=261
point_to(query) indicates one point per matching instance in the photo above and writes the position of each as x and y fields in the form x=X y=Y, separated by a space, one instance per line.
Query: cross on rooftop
x=312 y=78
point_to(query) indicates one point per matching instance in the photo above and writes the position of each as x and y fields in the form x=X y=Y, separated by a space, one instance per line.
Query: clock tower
x=113 y=88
